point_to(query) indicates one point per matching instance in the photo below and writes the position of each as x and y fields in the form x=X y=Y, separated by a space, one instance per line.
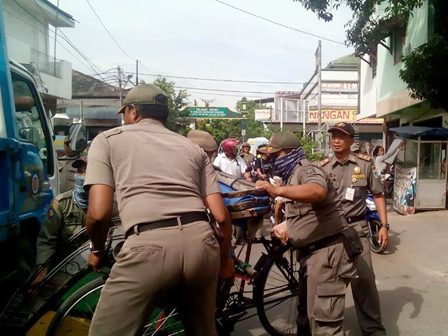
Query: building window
x=398 y=42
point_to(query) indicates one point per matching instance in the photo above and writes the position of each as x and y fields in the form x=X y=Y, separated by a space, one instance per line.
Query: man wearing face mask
x=65 y=217
x=66 y=170
x=316 y=226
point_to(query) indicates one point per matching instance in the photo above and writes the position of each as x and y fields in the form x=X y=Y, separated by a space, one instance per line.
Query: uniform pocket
x=329 y=303
x=211 y=240
x=149 y=248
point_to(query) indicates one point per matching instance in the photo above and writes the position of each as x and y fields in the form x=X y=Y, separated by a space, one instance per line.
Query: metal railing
x=46 y=63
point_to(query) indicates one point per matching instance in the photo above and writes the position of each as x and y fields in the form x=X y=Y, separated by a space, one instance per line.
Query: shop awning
x=416 y=131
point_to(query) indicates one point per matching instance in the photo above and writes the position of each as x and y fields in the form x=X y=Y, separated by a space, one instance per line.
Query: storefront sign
x=335 y=116
x=263 y=115
x=339 y=87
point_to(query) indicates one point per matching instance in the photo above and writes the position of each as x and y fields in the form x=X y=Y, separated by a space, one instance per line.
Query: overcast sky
x=204 y=38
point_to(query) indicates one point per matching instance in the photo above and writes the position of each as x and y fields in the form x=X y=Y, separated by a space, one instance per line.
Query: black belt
x=355 y=219
x=320 y=244
x=184 y=219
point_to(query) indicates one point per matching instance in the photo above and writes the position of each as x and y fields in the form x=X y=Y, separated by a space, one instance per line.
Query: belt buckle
x=136 y=230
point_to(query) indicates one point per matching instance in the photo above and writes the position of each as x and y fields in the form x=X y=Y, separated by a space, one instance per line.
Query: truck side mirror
x=78 y=137
x=23 y=103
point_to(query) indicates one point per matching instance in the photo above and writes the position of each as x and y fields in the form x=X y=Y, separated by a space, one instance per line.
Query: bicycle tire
x=94 y=286
x=71 y=302
x=374 y=245
x=260 y=294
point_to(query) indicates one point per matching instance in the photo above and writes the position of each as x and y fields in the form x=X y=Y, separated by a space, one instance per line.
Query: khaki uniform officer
x=314 y=222
x=66 y=170
x=65 y=217
x=353 y=177
x=163 y=183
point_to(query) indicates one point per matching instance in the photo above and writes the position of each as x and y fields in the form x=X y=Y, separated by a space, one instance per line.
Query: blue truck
x=28 y=170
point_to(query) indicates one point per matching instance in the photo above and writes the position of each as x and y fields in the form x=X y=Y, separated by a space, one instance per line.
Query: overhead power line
x=221 y=80
x=108 y=32
x=29 y=24
x=91 y=65
x=219 y=90
x=226 y=95
x=280 y=24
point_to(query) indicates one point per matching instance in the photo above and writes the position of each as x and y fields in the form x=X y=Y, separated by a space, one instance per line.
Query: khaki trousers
x=178 y=261
x=327 y=273
x=365 y=293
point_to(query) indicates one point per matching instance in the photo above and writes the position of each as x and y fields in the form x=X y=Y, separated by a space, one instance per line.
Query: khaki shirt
x=157 y=174
x=357 y=173
x=64 y=218
x=308 y=223
x=248 y=158
x=66 y=175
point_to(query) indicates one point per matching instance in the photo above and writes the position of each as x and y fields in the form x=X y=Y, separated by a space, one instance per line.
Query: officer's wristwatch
x=95 y=251
x=386 y=226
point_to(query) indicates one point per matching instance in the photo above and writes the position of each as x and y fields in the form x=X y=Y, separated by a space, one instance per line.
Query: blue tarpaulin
x=416 y=131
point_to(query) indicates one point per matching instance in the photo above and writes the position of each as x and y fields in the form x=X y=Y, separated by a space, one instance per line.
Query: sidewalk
x=412 y=279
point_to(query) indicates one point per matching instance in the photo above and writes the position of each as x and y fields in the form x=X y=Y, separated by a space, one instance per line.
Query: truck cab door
x=36 y=151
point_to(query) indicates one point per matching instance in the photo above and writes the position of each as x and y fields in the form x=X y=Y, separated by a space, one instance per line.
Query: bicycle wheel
x=375 y=246
x=76 y=313
x=276 y=293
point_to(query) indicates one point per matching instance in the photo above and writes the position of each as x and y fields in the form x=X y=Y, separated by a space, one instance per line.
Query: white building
x=27 y=26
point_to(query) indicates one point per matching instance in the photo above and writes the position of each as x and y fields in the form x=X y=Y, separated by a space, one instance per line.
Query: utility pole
x=136 y=72
x=81 y=111
x=120 y=85
x=319 y=92
x=55 y=39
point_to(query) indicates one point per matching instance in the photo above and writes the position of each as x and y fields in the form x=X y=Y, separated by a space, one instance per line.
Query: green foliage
x=426 y=72
x=223 y=129
x=365 y=30
x=425 y=67
x=309 y=146
x=177 y=121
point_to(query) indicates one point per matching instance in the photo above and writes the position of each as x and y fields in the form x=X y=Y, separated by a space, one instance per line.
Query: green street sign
x=212 y=113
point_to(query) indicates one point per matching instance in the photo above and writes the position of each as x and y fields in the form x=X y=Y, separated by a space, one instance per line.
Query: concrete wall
x=389 y=81
x=31 y=33
x=60 y=87
x=368 y=91
x=23 y=37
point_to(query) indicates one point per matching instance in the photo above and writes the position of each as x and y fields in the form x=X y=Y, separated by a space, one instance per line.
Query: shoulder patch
x=113 y=131
x=364 y=157
x=324 y=162
x=310 y=170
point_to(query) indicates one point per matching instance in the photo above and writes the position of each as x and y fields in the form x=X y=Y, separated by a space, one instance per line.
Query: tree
x=223 y=129
x=177 y=121
x=425 y=71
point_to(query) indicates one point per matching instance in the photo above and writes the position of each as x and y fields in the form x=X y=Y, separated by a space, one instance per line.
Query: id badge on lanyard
x=350 y=194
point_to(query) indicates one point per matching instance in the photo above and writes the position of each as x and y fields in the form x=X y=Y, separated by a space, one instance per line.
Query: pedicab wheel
x=375 y=246
x=276 y=293
x=75 y=315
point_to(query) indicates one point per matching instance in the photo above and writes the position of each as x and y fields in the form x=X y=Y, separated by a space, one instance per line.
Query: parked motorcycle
x=373 y=220
x=387 y=180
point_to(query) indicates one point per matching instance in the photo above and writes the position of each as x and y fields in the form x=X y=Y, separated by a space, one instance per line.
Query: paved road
x=412 y=279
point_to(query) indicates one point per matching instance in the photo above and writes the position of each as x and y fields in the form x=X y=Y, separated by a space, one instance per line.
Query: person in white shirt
x=229 y=161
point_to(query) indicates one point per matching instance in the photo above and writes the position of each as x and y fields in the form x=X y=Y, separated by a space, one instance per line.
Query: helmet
x=228 y=144
x=245 y=144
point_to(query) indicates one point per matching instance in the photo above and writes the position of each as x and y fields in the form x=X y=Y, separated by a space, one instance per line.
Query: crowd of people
x=163 y=183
